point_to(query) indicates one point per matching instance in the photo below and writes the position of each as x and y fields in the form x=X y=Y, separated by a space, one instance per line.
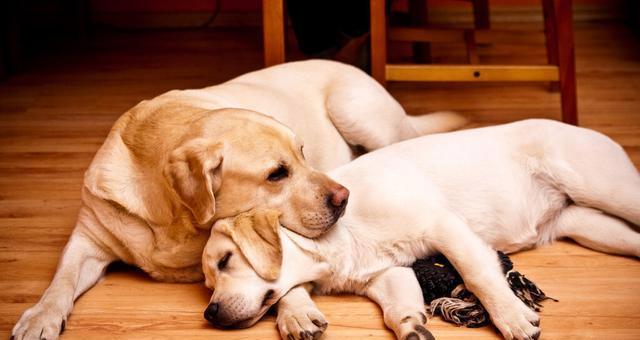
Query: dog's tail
x=436 y=122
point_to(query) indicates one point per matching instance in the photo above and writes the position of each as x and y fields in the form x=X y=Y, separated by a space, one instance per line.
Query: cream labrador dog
x=173 y=165
x=464 y=194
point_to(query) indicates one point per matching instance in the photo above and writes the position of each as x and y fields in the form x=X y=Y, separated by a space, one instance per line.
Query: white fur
x=466 y=194
x=129 y=214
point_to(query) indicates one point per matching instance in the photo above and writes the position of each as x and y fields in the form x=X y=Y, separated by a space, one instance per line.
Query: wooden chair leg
x=481 y=14
x=560 y=51
x=419 y=13
x=378 y=41
x=273 y=31
x=3 y=64
x=551 y=39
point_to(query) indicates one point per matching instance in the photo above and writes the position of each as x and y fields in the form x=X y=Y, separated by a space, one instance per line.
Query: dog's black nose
x=210 y=312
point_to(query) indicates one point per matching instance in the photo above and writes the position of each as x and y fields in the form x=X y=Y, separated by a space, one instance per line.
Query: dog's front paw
x=414 y=327
x=516 y=321
x=301 y=323
x=39 y=322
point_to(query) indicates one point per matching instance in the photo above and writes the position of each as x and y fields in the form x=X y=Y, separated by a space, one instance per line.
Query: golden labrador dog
x=173 y=165
x=463 y=194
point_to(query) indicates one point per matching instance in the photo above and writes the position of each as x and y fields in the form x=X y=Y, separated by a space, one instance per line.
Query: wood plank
x=482 y=36
x=400 y=72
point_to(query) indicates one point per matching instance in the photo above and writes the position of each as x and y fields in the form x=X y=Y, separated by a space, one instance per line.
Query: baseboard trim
x=526 y=14
x=529 y=14
x=176 y=19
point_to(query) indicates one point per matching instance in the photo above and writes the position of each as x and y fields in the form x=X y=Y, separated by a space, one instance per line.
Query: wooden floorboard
x=55 y=115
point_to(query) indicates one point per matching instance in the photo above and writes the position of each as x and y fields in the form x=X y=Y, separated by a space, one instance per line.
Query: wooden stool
x=419 y=16
x=273 y=25
x=559 y=43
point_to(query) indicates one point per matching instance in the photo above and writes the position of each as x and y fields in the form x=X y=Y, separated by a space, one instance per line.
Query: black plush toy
x=444 y=291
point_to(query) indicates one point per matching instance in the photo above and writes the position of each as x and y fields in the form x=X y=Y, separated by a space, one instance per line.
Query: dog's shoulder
x=127 y=169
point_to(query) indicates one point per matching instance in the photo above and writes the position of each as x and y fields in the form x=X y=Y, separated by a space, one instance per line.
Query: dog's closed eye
x=281 y=172
x=224 y=261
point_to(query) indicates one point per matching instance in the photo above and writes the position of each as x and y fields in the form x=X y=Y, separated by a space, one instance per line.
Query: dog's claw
x=306 y=335
x=536 y=335
x=321 y=324
x=303 y=322
x=47 y=320
x=516 y=320
x=413 y=327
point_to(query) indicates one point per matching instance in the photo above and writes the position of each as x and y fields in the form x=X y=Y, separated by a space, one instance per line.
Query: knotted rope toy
x=445 y=293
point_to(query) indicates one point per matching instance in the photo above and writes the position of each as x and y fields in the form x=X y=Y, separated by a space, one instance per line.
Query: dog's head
x=242 y=160
x=244 y=265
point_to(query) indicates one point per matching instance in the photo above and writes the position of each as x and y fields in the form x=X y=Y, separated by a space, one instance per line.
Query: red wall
x=254 y=5
x=172 y=5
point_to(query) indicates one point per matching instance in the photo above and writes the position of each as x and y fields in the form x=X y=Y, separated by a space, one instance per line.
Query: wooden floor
x=54 y=116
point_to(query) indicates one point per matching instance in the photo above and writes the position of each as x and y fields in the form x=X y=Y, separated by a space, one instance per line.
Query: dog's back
x=509 y=182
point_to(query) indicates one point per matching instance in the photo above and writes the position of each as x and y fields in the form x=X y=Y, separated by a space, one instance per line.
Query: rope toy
x=446 y=295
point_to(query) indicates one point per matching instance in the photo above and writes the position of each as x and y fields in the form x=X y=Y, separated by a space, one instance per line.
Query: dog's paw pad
x=536 y=335
x=424 y=332
x=39 y=322
x=412 y=336
x=322 y=324
x=515 y=320
x=413 y=326
x=306 y=335
x=301 y=323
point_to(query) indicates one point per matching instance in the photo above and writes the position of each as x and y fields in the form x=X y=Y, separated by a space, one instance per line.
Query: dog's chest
x=178 y=250
x=174 y=253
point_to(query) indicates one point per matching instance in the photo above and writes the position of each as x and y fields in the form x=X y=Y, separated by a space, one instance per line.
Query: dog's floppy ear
x=256 y=234
x=194 y=172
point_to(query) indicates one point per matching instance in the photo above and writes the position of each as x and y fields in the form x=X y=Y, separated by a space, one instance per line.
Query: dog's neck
x=349 y=254
x=313 y=248
x=302 y=260
x=329 y=261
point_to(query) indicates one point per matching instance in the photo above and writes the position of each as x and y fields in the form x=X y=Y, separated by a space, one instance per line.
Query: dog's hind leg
x=83 y=263
x=397 y=292
x=596 y=230
x=366 y=114
x=594 y=171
